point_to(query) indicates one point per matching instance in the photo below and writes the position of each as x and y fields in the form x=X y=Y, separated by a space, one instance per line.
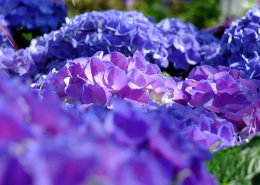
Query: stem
x=9 y=37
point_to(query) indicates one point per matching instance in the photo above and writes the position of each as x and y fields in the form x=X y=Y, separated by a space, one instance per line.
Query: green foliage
x=154 y=8
x=202 y=13
x=81 y=6
x=198 y=12
x=239 y=165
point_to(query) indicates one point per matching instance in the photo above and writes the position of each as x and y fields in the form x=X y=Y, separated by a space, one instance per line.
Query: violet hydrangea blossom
x=199 y=125
x=240 y=44
x=41 y=149
x=96 y=79
x=92 y=81
x=159 y=137
x=226 y=92
x=17 y=62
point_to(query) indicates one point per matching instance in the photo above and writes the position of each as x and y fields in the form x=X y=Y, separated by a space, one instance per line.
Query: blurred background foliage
x=202 y=13
x=195 y=11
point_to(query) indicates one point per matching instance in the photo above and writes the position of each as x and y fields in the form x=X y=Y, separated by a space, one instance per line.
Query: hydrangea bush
x=89 y=103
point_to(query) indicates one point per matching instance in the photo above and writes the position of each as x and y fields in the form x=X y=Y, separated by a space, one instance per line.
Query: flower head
x=240 y=44
x=27 y=14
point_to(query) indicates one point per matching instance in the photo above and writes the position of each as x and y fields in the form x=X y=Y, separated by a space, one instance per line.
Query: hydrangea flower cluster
x=186 y=45
x=27 y=14
x=23 y=15
x=240 y=45
x=95 y=80
x=38 y=149
x=17 y=62
x=170 y=40
x=226 y=92
x=198 y=125
x=98 y=79
x=106 y=31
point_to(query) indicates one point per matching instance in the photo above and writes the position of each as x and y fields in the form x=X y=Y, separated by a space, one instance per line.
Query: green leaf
x=238 y=165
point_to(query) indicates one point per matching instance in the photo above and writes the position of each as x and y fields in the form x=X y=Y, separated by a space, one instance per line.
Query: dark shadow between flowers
x=180 y=73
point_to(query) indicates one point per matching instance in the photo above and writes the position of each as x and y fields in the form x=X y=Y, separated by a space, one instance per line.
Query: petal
x=115 y=78
x=135 y=94
x=95 y=70
x=119 y=60
x=94 y=94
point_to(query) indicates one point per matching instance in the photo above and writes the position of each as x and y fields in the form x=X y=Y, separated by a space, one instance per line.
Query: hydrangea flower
x=43 y=15
x=37 y=149
x=226 y=92
x=17 y=62
x=199 y=125
x=125 y=32
x=240 y=45
x=106 y=31
x=186 y=45
x=20 y=15
x=162 y=140
x=96 y=79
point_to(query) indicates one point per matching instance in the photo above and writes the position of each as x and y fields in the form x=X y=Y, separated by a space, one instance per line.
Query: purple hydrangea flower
x=17 y=62
x=240 y=45
x=96 y=79
x=43 y=15
x=226 y=92
x=42 y=143
x=159 y=136
x=199 y=125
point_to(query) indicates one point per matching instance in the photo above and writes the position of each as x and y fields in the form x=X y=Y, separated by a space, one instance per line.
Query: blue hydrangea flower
x=240 y=45
x=106 y=31
x=186 y=45
x=43 y=15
